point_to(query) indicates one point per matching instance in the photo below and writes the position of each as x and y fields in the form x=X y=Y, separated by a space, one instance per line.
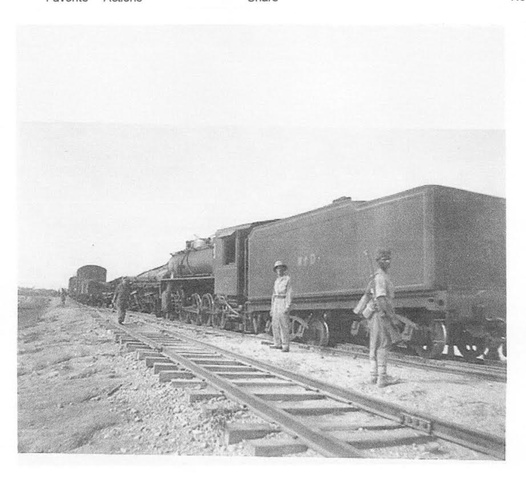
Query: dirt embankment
x=77 y=393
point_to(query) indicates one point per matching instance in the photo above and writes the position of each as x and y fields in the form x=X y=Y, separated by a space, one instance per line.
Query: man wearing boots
x=166 y=301
x=382 y=332
x=121 y=299
x=280 y=308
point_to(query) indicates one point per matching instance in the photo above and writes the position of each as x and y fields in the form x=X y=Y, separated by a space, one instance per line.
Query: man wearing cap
x=121 y=299
x=382 y=333
x=280 y=308
x=166 y=301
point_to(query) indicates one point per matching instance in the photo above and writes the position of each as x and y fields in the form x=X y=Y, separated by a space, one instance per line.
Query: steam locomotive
x=448 y=268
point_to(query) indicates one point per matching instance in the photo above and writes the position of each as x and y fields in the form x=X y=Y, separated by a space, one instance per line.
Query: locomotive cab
x=231 y=277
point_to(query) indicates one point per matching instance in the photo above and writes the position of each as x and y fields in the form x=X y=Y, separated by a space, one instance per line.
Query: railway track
x=492 y=372
x=496 y=373
x=327 y=419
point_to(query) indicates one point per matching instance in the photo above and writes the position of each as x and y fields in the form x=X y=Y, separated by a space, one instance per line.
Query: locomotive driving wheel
x=208 y=309
x=195 y=313
x=433 y=339
x=220 y=318
x=177 y=304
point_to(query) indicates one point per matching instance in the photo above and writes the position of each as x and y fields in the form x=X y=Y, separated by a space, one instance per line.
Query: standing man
x=382 y=332
x=121 y=299
x=166 y=301
x=63 y=296
x=280 y=308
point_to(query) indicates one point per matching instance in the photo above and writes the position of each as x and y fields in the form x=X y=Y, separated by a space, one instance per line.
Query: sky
x=131 y=140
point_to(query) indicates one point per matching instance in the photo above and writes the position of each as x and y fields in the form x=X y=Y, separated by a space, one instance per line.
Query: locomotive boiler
x=190 y=279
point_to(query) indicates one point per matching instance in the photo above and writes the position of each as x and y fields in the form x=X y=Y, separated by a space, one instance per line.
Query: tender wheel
x=470 y=346
x=268 y=326
x=314 y=331
x=258 y=323
x=496 y=340
x=502 y=351
x=433 y=340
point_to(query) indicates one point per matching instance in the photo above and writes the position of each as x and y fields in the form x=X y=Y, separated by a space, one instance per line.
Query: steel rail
x=486 y=372
x=486 y=443
x=497 y=374
x=483 y=442
x=492 y=372
x=324 y=444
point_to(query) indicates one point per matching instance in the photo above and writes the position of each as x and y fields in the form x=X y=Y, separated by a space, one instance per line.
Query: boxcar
x=90 y=284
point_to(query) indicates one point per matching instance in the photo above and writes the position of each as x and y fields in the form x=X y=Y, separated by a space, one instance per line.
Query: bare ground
x=78 y=393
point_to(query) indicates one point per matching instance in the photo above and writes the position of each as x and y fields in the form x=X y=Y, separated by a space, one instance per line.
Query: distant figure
x=382 y=332
x=121 y=299
x=63 y=296
x=166 y=301
x=280 y=308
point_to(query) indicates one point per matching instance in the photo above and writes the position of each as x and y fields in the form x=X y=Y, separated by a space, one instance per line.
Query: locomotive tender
x=449 y=270
x=448 y=267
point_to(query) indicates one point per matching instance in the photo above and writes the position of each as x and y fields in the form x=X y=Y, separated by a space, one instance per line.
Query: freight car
x=89 y=285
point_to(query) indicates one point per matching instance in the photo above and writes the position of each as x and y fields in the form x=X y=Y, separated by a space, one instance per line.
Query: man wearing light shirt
x=280 y=308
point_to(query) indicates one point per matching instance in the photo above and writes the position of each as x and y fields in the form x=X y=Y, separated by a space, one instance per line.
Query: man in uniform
x=121 y=299
x=382 y=333
x=166 y=301
x=280 y=308
x=63 y=296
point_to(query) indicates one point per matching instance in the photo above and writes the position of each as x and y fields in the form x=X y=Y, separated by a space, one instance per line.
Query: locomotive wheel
x=316 y=333
x=258 y=324
x=195 y=318
x=470 y=346
x=268 y=326
x=503 y=352
x=208 y=309
x=219 y=320
x=177 y=302
x=434 y=341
